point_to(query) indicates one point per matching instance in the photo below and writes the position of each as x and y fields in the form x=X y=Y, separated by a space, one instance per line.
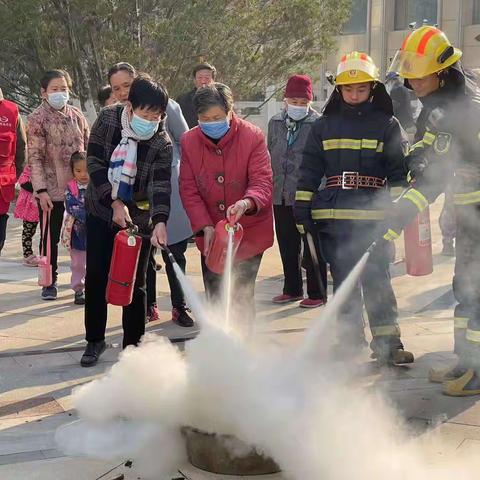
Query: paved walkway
x=41 y=344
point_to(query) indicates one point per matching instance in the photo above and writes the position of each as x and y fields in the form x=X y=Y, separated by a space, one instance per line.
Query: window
x=357 y=22
x=476 y=12
x=419 y=11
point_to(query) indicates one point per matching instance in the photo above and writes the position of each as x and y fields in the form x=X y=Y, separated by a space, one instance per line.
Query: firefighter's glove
x=416 y=166
x=303 y=217
x=381 y=244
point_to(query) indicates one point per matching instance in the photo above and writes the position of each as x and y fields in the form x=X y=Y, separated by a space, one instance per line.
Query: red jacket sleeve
x=260 y=177
x=193 y=203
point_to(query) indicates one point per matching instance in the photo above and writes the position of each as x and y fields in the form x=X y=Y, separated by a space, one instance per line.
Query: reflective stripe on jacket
x=359 y=140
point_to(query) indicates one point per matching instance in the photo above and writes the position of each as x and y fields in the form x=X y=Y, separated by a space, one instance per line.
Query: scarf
x=122 y=168
x=293 y=128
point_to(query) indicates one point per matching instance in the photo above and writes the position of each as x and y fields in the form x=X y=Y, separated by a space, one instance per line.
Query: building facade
x=378 y=27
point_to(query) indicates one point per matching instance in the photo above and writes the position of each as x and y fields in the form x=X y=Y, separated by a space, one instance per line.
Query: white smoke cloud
x=294 y=405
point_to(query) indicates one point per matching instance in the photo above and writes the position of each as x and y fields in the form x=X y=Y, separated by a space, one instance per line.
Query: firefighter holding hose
x=447 y=152
x=359 y=146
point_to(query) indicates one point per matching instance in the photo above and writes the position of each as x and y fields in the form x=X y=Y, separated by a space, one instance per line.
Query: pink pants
x=78 y=267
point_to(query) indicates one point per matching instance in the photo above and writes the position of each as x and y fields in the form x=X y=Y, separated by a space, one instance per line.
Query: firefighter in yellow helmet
x=359 y=146
x=447 y=150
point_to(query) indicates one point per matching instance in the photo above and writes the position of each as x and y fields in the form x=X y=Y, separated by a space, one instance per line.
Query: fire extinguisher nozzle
x=371 y=248
x=169 y=254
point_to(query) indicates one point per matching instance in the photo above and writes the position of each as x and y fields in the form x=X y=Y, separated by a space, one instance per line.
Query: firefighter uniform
x=360 y=150
x=447 y=152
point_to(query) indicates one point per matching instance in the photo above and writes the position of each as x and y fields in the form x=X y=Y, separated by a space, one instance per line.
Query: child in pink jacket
x=26 y=209
x=74 y=233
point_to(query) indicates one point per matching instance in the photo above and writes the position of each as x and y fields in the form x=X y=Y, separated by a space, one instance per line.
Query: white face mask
x=58 y=100
x=297 y=113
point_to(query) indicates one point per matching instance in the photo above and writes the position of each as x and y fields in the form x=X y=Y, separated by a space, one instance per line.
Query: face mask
x=143 y=128
x=58 y=100
x=297 y=113
x=215 y=130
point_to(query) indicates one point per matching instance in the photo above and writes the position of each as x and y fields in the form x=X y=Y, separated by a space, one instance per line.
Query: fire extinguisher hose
x=134 y=229
x=316 y=265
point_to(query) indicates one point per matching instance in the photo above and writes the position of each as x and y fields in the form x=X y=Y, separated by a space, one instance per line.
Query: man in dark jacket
x=359 y=146
x=447 y=153
x=203 y=74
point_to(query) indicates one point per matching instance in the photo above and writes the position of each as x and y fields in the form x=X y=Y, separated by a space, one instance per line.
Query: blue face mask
x=215 y=130
x=297 y=113
x=58 y=100
x=143 y=128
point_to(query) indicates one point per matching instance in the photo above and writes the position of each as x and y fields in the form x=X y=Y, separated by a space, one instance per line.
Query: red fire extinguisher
x=218 y=250
x=418 y=245
x=123 y=266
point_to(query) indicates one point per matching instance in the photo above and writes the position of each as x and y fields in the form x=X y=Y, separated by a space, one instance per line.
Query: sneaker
x=30 y=261
x=79 y=298
x=181 y=317
x=50 y=293
x=286 y=298
x=153 y=313
x=312 y=302
x=92 y=353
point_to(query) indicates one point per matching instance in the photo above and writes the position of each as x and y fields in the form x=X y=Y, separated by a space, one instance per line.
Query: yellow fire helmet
x=356 y=67
x=425 y=51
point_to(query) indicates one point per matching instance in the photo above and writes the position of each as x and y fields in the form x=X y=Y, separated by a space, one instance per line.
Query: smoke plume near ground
x=301 y=409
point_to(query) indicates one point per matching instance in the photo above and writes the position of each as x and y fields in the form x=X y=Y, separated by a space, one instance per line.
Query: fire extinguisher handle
x=132 y=227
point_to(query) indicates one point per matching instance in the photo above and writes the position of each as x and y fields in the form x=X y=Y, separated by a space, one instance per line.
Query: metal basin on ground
x=225 y=454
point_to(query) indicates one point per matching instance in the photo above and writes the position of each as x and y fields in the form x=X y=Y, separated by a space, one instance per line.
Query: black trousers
x=245 y=275
x=100 y=237
x=176 y=293
x=290 y=245
x=343 y=243
x=3 y=229
x=55 y=226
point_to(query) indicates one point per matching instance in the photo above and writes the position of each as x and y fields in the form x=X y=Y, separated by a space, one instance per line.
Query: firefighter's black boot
x=3 y=230
x=393 y=356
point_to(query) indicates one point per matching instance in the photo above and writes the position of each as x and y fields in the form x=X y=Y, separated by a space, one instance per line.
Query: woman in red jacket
x=226 y=173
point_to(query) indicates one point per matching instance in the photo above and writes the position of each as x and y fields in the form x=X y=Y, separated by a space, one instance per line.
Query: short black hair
x=104 y=94
x=50 y=75
x=147 y=93
x=77 y=157
x=119 y=67
x=215 y=95
x=204 y=66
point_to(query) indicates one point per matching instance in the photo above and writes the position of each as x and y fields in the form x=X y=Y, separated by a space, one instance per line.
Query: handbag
x=45 y=278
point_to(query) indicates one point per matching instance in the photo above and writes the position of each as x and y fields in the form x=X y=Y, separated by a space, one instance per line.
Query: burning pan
x=225 y=454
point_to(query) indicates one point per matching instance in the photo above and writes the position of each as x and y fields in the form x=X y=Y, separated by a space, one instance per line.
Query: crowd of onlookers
x=174 y=169
x=141 y=162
